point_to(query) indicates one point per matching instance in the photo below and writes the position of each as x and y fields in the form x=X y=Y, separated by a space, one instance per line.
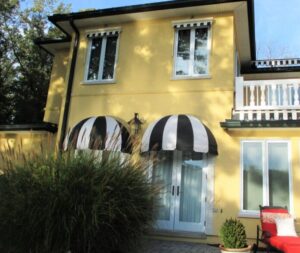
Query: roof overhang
x=241 y=9
x=53 y=45
x=238 y=125
x=47 y=127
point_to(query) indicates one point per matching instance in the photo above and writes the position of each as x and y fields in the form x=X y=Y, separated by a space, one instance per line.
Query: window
x=266 y=174
x=192 y=48
x=101 y=57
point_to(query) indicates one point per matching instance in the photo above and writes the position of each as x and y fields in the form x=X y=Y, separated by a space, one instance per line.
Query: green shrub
x=77 y=204
x=233 y=234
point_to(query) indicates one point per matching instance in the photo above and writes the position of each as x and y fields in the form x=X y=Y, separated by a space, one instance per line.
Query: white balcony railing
x=267 y=99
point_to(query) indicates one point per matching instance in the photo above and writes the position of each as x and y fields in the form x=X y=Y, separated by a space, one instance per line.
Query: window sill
x=96 y=82
x=249 y=214
x=191 y=77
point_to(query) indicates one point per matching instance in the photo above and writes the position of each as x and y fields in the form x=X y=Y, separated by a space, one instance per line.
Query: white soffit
x=159 y=14
x=239 y=9
x=272 y=75
x=242 y=33
x=54 y=47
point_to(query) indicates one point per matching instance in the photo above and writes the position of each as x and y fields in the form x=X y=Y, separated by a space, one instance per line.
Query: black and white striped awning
x=99 y=133
x=179 y=132
x=102 y=33
x=192 y=23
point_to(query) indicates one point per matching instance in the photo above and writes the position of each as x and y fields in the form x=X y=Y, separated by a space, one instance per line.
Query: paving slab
x=163 y=246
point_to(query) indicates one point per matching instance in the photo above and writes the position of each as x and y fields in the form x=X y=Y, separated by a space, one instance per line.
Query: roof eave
x=50 y=45
x=230 y=124
x=47 y=127
x=136 y=8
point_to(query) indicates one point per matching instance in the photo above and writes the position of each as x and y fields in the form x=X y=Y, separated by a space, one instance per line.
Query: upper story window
x=101 y=56
x=192 y=48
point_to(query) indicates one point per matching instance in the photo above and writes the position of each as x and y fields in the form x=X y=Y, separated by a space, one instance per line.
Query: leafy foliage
x=233 y=234
x=77 y=204
x=24 y=68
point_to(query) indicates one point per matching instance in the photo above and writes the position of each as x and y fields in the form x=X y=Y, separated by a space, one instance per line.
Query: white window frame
x=264 y=142
x=102 y=57
x=191 y=75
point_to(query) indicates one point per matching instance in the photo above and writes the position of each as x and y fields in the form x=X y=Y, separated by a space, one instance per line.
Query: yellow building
x=226 y=126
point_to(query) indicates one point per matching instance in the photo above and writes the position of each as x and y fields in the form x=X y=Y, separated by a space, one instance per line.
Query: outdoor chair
x=277 y=230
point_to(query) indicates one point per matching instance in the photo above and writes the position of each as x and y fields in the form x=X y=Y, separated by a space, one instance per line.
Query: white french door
x=182 y=182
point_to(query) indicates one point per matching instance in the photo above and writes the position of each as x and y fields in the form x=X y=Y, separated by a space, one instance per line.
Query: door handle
x=177 y=190
x=173 y=189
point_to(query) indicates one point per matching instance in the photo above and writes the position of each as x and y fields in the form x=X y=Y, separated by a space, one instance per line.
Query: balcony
x=267 y=100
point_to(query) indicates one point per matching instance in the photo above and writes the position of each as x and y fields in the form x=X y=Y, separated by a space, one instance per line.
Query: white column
x=252 y=96
x=274 y=102
x=285 y=115
x=262 y=95
x=285 y=95
x=239 y=93
x=296 y=95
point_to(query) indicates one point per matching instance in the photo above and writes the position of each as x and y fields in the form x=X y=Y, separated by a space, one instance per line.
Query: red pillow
x=268 y=216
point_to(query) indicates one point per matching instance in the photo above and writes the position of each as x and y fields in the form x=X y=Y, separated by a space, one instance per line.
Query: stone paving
x=160 y=246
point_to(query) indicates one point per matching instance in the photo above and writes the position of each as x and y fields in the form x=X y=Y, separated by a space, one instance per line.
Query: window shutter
x=102 y=33
x=192 y=24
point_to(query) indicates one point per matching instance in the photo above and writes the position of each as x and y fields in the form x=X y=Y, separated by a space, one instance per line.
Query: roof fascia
x=251 y=21
x=136 y=8
x=48 y=127
x=43 y=43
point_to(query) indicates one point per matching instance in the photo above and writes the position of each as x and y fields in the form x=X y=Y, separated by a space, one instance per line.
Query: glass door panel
x=162 y=177
x=189 y=214
x=191 y=187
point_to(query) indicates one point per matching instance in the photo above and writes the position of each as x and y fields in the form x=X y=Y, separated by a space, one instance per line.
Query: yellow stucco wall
x=228 y=173
x=144 y=84
x=57 y=86
x=144 y=76
x=15 y=144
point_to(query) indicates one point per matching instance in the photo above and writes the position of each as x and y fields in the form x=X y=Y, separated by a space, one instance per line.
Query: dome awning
x=99 y=133
x=179 y=132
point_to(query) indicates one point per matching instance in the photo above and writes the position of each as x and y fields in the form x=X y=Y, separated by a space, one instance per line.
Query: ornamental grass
x=74 y=203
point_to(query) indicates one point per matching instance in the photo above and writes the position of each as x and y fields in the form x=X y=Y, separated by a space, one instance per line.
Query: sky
x=276 y=23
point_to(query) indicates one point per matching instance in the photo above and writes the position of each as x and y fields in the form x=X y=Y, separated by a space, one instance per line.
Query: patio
x=162 y=246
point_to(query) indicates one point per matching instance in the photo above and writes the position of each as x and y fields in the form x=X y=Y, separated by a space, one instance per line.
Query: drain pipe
x=70 y=85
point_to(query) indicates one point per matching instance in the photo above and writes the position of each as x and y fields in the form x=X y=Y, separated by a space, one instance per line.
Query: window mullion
x=102 y=57
x=192 y=52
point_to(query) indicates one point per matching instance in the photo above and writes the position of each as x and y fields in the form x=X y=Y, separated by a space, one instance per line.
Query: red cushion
x=285 y=243
x=268 y=216
x=291 y=248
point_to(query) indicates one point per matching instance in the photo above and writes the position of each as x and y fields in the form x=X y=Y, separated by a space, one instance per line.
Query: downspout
x=70 y=85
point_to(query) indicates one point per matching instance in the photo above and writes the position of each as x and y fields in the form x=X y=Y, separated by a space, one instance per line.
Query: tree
x=7 y=12
x=25 y=69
